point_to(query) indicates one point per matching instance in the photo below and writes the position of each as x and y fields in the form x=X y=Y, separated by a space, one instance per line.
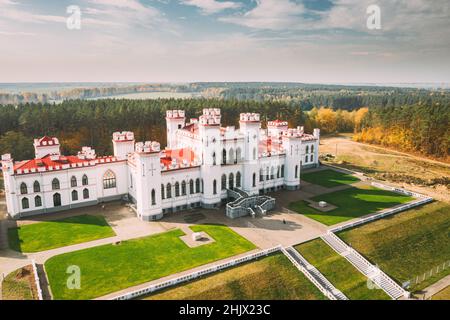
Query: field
x=329 y=178
x=351 y=203
x=270 y=278
x=341 y=273
x=19 y=285
x=408 y=244
x=442 y=295
x=58 y=233
x=109 y=268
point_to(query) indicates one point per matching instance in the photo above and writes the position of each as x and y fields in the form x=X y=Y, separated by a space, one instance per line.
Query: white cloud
x=211 y=6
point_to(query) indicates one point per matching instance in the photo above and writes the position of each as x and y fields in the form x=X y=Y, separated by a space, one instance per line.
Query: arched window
x=74 y=195
x=23 y=188
x=37 y=201
x=153 y=197
x=214 y=158
x=73 y=181
x=238 y=155
x=183 y=188
x=312 y=158
x=36 y=186
x=312 y=148
x=254 y=153
x=238 y=180
x=296 y=171
x=214 y=187
x=109 y=180
x=203 y=186
x=254 y=179
x=177 y=189
x=231 y=156
x=25 y=203
x=224 y=156
x=272 y=173
x=84 y=180
x=261 y=175
x=231 y=181
x=224 y=182
x=306 y=159
x=278 y=172
x=85 y=193
x=55 y=184
x=197 y=186
x=282 y=170
x=169 y=191
x=56 y=200
x=191 y=186
x=162 y=192
x=307 y=149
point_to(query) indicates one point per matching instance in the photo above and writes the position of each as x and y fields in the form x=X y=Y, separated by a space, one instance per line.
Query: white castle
x=201 y=161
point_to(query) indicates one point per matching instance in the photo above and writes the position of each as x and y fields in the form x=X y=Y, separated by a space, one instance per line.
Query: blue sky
x=324 y=41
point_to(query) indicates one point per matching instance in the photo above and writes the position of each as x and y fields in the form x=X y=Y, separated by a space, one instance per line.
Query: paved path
x=430 y=291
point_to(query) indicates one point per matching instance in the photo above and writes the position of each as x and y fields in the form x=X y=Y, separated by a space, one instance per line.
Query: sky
x=311 y=41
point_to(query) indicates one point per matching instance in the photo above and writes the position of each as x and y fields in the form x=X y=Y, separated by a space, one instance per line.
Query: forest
x=420 y=128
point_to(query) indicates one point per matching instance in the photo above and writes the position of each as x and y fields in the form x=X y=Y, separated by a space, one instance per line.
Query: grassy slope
x=341 y=273
x=329 y=178
x=110 y=268
x=407 y=244
x=351 y=203
x=270 y=278
x=59 y=233
x=18 y=287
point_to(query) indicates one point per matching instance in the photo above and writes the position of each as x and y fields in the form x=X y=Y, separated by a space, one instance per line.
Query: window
x=153 y=197
x=169 y=191
x=254 y=153
x=306 y=159
x=73 y=181
x=25 y=203
x=261 y=175
x=238 y=180
x=203 y=186
x=278 y=172
x=109 y=180
x=238 y=155
x=162 y=192
x=307 y=149
x=214 y=158
x=282 y=170
x=254 y=179
x=224 y=182
x=177 y=189
x=36 y=187
x=296 y=171
x=197 y=185
x=85 y=193
x=131 y=181
x=231 y=181
x=224 y=156
x=183 y=188
x=214 y=187
x=37 y=201
x=191 y=186
x=23 y=188
x=312 y=158
x=56 y=200
x=231 y=155
x=74 y=195
x=267 y=173
x=272 y=173
x=84 y=180
x=55 y=184
x=312 y=149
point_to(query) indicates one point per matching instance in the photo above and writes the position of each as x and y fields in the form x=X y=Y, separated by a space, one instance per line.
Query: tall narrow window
x=73 y=181
x=261 y=175
x=153 y=197
x=162 y=192
x=74 y=195
x=214 y=187
x=169 y=191
x=238 y=155
x=312 y=148
x=109 y=180
x=37 y=201
x=272 y=173
x=282 y=170
x=56 y=200
x=231 y=156
x=197 y=185
x=296 y=171
x=183 y=188
x=84 y=180
x=238 y=180
x=23 y=188
x=203 y=186
x=254 y=179
x=231 y=181
x=25 y=203
x=307 y=149
x=312 y=158
x=55 y=184
x=85 y=193
x=306 y=159
x=278 y=172
x=191 y=186
x=267 y=173
x=214 y=158
x=177 y=189
x=224 y=182
x=36 y=186
x=224 y=156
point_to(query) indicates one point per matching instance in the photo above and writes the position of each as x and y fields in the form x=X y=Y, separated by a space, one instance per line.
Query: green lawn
x=270 y=278
x=407 y=244
x=110 y=268
x=329 y=178
x=351 y=203
x=18 y=285
x=58 y=233
x=341 y=273
x=442 y=295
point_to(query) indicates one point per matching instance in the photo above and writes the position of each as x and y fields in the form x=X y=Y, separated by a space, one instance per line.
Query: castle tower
x=148 y=181
x=123 y=143
x=250 y=125
x=175 y=120
x=12 y=203
x=292 y=144
x=46 y=146
x=276 y=128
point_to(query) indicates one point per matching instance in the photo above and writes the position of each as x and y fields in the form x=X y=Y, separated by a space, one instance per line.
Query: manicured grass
x=351 y=203
x=341 y=273
x=270 y=278
x=110 y=268
x=18 y=285
x=442 y=295
x=58 y=233
x=329 y=178
x=408 y=244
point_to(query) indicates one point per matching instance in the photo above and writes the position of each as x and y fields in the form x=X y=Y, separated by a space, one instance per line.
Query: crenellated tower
x=123 y=143
x=250 y=125
x=175 y=120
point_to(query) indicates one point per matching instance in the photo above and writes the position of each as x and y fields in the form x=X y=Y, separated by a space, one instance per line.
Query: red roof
x=178 y=154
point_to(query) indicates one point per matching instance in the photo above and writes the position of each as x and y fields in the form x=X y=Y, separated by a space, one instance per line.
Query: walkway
x=436 y=287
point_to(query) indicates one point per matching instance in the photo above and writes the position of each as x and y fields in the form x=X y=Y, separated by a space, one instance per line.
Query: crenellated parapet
x=250 y=117
x=123 y=136
x=147 y=147
x=210 y=117
x=175 y=114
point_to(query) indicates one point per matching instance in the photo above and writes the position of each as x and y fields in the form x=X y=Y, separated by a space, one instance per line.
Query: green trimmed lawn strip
x=110 y=268
x=341 y=273
x=48 y=235
x=329 y=178
x=351 y=203
x=269 y=278
x=407 y=244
